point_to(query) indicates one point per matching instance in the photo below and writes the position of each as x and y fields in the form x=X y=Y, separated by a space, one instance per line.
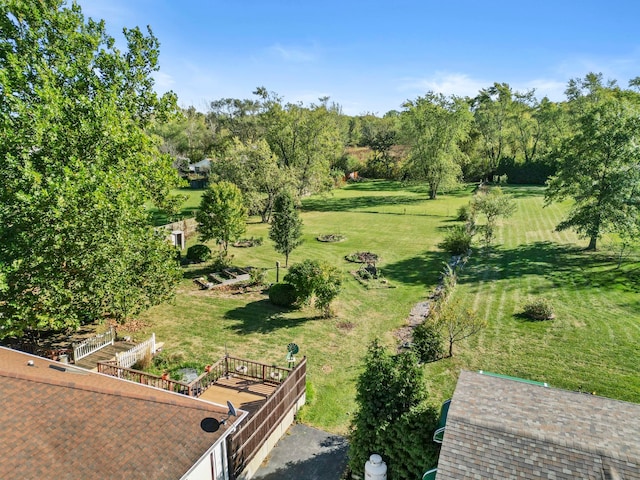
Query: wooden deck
x=90 y=362
x=244 y=393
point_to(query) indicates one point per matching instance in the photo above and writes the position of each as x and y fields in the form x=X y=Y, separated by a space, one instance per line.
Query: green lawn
x=189 y=207
x=590 y=345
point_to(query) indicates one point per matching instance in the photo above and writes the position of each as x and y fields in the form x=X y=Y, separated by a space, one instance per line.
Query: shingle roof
x=77 y=424
x=503 y=429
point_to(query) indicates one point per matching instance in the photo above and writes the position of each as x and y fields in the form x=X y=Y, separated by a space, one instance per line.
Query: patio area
x=244 y=393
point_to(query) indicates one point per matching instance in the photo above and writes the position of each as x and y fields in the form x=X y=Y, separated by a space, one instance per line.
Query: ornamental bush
x=464 y=213
x=199 y=253
x=538 y=309
x=282 y=294
x=427 y=342
x=457 y=240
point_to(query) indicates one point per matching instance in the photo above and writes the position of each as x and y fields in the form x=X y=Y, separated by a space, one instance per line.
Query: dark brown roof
x=501 y=428
x=77 y=424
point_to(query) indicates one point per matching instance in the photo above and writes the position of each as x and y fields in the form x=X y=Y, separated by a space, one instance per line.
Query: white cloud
x=459 y=84
x=293 y=54
x=553 y=89
x=163 y=81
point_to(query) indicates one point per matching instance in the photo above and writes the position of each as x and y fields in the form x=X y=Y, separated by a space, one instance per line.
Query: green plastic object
x=430 y=474
x=516 y=379
x=292 y=349
x=438 y=435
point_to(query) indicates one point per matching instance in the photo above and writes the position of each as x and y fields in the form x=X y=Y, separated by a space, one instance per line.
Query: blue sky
x=371 y=56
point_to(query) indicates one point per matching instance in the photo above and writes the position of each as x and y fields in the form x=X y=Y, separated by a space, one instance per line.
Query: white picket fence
x=93 y=344
x=130 y=357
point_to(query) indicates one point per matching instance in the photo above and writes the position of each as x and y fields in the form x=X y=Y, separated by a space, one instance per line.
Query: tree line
x=584 y=148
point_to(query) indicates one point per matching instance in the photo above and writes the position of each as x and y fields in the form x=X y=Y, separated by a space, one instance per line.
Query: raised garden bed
x=248 y=242
x=331 y=238
x=362 y=257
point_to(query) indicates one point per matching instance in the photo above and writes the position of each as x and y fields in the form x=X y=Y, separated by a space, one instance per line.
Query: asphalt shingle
x=76 y=424
x=501 y=428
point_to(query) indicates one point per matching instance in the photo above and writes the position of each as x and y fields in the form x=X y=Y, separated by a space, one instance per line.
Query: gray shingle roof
x=503 y=429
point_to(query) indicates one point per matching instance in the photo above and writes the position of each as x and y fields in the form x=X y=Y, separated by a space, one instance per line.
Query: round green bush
x=538 y=309
x=427 y=342
x=198 y=253
x=457 y=240
x=464 y=213
x=282 y=294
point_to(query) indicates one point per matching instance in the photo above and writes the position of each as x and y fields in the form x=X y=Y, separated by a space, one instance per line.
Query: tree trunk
x=592 y=243
x=450 y=349
x=286 y=260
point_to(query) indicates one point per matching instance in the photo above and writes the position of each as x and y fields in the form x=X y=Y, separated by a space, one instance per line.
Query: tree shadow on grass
x=261 y=316
x=332 y=204
x=424 y=269
x=561 y=264
x=200 y=271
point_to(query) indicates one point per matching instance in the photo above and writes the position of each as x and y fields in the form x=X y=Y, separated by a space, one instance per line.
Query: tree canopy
x=390 y=394
x=78 y=168
x=599 y=165
x=286 y=227
x=435 y=126
x=222 y=215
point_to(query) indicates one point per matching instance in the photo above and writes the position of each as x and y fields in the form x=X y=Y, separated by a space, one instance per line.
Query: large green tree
x=599 y=165
x=435 y=126
x=304 y=139
x=255 y=170
x=222 y=215
x=78 y=168
x=493 y=109
x=286 y=226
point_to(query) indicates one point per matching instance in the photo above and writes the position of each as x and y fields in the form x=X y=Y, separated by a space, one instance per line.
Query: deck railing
x=245 y=443
x=130 y=357
x=256 y=370
x=93 y=344
x=113 y=369
x=222 y=368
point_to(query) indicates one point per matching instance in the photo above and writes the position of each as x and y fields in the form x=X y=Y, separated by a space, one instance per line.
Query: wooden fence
x=93 y=344
x=243 y=445
x=131 y=356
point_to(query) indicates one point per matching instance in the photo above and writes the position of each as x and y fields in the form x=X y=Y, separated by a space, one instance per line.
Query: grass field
x=590 y=345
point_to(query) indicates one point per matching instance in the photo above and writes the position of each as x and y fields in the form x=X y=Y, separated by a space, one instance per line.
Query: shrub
x=257 y=276
x=144 y=362
x=538 y=309
x=312 y=277
x=427 y=342
x=464 y=213
x=282 y=294
x=198 y=253
x=221 y=261
x=457 y=240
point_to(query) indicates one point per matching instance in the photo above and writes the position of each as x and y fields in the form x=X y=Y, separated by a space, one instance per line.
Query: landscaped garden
x=589 y=345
